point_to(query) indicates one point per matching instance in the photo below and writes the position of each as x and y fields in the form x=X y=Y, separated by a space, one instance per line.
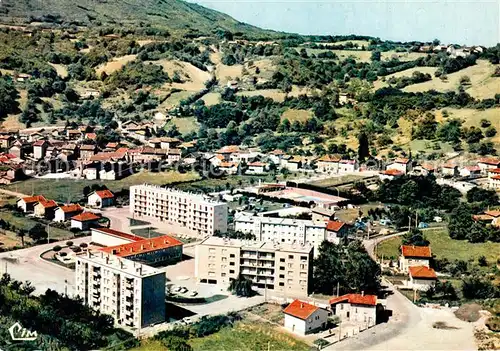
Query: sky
x=451 y=21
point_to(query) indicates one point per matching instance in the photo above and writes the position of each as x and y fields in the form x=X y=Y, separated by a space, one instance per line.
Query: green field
x=444 y=247
x=68 y=190
x=223 y=183
x=184 y=125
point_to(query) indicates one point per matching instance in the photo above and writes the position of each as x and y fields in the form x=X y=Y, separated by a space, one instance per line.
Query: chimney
x=301 y=305
x=131 y=249
x=362 y=293
x=142 y=246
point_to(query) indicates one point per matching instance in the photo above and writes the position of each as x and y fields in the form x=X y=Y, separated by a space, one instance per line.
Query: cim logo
x=18 y=333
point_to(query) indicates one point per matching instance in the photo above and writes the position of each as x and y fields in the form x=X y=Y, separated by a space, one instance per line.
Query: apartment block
x=283 y=230
x=278 y=267
x=132 y=293
x=197 y=212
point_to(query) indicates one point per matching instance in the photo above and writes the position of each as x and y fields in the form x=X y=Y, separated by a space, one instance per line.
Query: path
x=12 y=193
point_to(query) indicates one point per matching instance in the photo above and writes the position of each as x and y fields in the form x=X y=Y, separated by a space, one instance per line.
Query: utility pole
x=48 y=233
x=338 y=287
x=416 y=219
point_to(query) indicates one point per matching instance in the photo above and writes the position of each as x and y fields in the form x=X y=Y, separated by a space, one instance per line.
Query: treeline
x=61 y=322
x=238 y=53
x=177 y=49
x=135 y=75
x=416 y=77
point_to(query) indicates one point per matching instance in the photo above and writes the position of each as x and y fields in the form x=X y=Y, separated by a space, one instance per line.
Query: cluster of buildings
x=76 y=214
x=120 y=279
x=415 y=261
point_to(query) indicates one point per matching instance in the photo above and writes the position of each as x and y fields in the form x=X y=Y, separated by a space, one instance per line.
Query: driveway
x=26 y=264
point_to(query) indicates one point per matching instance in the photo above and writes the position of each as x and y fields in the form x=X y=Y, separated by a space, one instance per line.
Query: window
x=282 y=276
x=231 y=271
x=290 y=257
x=211 y=250
x=231 y=255
x=282 y=260
x=223 y=274
x=282 y=268
x=282 y=284
x=224 y=259
x=290 y=265
x=231 y=263
x=303 y=266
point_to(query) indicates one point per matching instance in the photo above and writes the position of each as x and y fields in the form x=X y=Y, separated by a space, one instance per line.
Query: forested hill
x=172 y=14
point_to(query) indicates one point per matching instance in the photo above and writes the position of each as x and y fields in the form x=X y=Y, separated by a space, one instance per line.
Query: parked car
x=423 y=225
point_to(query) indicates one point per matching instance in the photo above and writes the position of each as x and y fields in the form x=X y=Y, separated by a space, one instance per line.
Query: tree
x=490 y=132
x=363 y=148
x=460 y=222
x=415 y=237
x=241 y=286
x=9 y=101
x=21 y=233
x=477 y=233
x=483 y=196
x=376 y=55
x=477 y=288
x=464 y=80
x=38 y=233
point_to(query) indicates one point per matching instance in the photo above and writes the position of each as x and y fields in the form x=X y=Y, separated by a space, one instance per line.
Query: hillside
x=171 y=14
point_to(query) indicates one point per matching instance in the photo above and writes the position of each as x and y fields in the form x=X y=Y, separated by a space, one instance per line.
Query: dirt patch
x=469 y=312
x=443 y=325
x=115 y=64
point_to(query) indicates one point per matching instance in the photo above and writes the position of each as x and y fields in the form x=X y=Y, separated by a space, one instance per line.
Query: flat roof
x=117 y=233
x=257 y=245
x=279 y=220
x=120 y=264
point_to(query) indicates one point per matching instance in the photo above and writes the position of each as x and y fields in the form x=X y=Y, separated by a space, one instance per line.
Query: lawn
x=211 y=99
x=296 y=115
x=184 y=125
x=211 y=185
x=275 y=94
x=444 y=247
x=69 y=190
x=334 y=181
x=406 y=73
x=115 y=64
x=482 y=84
x=248 y=336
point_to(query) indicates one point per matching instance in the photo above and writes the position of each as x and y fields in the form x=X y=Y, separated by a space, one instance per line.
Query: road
x=12 y=193
x=26 y=264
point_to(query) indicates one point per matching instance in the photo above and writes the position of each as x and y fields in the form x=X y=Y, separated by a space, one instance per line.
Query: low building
x=40 y=148
x=421 y=278
x=347 y=166
x=111 y=237
x=256 y=167
x=390 y=174
x=85 y=221
x=470 y=171
x=335 y=230
x=486 y=164
x=156 y=251
x=275 y=267
x=414 y=256
x=401 y=164
x=328 y=164
x=449 y=170
x=494 y=182
x=45 y=209
x=303 y=318
x=6 y=140
x=132 y=293
x=359 y=308
x=322 y=214
x=27 y=204
x=64 y=213
x=101 y=198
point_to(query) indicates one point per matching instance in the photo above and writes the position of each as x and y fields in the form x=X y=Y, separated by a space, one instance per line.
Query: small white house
x=401 y=164
x=421 y=278
x=359 y=308
x=414 y=256
x=303 y=318
x=256 y=167
x=111 y=237
x=85 y=220
x=100 y=199
x=348 y=166
x=64 y=213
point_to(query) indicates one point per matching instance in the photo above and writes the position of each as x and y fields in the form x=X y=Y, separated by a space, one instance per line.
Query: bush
x=56 y=248
x=69 y=243
x=477 y=288
x=63 y=254
x=83 y=245
x=76 y=249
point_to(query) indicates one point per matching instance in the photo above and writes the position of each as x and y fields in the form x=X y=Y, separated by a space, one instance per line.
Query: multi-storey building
x=277 y=267
x=132 y=293
x=285 y=230
x=194 y=211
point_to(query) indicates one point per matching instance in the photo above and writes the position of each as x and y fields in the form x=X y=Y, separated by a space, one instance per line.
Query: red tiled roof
x=334 y=226
x=227 y=164
x=142 y=246
x=449 y=165
x=357 y=299
x=104 y=194
x=493 y=213
x=103 y=156
x=422 y=272
x=428 y=167
x=71 y=208
x=86 y=216
x=256 y=164
x=329 y=158
x=477 y=168
x=300 y=309
x=91 y=136
x=32 y=199
x=497 y=177
x=39 y=142
x=277 y=152
x=119 y=234
x=48 y=204
x=416 y=251
x=392 y=172
x=494 y=170
x=402 y=160
x=229 y=149
x=112 y=145
x=489 y=161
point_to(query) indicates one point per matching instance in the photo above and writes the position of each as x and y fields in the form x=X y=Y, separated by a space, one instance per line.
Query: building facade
x=279 y=267
x=132 y=293
x=359 y=308
x=303 y=318
x=194 y=211
x=414 y=256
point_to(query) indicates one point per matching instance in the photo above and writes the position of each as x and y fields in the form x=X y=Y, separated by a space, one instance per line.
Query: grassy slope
x=63 y=190
x=174 y=14
x=444 y=247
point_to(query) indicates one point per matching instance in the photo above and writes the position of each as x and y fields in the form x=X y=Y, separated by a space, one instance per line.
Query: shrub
x=69 y=243
x=56 y=248
x=84 y=245
x=63 y=254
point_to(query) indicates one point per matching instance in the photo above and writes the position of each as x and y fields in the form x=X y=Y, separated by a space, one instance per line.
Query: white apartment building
x=132 y=293
x=193 y=211
x=277 y=267
x=282 y=230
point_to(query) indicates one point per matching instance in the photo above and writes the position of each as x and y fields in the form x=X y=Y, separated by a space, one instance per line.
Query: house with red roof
x=85 y=221
x=303 y=318
x=40 y=149
x=358 y=308
x=421 y=278
x=328 y=164
x=390 y=174
x=412 y=255
x=256 y=167
x=488 y=163
x=101 y=198
x=27 y=204
x=401 y=164
x=45 y=209
x=335 y=230
x=65 y=212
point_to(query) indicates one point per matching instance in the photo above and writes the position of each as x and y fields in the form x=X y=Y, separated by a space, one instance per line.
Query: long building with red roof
x=358 y=308
x=412 y=255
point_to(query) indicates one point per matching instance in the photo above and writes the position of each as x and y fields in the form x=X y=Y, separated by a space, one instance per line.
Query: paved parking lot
x=26 y=264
